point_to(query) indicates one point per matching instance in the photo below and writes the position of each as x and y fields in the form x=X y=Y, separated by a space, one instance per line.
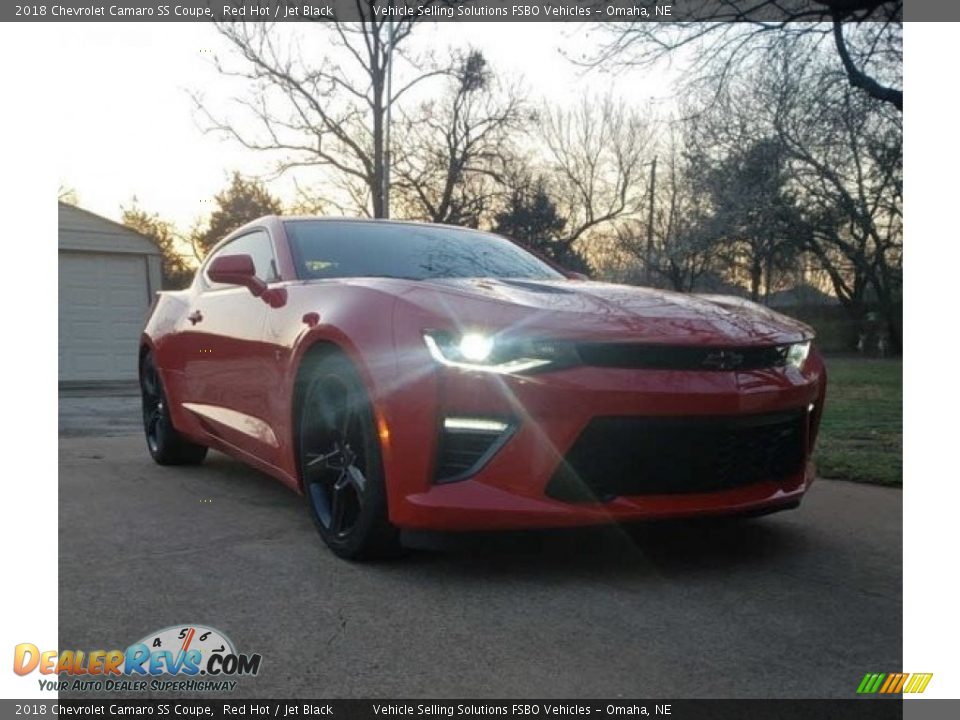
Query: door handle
x=195 y=317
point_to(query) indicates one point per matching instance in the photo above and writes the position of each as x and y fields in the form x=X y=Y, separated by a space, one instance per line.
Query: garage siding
x=104 y=298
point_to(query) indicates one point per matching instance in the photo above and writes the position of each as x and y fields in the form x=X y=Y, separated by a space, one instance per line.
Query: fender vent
x=467 y=444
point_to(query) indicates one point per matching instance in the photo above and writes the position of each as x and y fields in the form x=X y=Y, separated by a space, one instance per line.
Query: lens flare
x=476 y=347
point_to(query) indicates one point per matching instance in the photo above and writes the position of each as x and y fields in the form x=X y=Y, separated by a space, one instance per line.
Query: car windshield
x=330 y=249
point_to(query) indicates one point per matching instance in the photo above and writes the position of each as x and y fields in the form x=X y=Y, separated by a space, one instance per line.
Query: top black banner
x=473 y=10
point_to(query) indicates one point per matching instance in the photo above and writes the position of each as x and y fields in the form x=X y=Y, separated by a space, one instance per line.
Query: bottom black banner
x=854 y=709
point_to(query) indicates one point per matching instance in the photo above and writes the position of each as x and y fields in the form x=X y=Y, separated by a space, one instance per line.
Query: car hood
x=603 y=311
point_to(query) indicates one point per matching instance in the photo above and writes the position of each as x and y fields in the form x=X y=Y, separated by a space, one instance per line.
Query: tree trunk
x=888 y=311
x=376 y=191
x=893 y=332
x=756 y=277
x=767 y=272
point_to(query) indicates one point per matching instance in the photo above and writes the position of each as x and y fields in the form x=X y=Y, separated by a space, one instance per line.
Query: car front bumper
x=549 y=412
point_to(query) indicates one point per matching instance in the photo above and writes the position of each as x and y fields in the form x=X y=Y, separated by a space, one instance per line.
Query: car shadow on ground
x=673 y=547
x=680 y=546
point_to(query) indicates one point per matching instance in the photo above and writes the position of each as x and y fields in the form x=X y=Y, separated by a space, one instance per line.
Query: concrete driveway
x=799 y=604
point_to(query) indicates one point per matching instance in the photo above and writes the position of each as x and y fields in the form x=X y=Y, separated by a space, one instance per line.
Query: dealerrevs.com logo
x=180 y=658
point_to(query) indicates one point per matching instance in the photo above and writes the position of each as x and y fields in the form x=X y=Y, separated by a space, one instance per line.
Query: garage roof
x=82 y=230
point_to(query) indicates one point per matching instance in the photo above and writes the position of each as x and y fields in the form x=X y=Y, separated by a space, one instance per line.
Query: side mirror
x=236 y=270
x=572 y=275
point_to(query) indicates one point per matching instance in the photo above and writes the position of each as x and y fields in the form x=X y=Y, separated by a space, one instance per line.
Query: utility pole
x=385 y=190
x=653 y=185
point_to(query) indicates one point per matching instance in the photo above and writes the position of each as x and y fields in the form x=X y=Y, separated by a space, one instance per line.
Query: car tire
x=166 y=445
x=340 y=462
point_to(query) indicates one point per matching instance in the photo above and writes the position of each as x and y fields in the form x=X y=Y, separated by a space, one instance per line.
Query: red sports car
x=403 y=375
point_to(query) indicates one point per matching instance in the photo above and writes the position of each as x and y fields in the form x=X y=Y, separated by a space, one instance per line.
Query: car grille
x=678 y=357
x=622 y=456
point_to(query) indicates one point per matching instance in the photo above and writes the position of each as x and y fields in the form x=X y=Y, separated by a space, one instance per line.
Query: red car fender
x=323 y=334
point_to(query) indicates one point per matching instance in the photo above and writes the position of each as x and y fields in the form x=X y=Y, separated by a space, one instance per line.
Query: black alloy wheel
x=340 y=464
x=166 y=445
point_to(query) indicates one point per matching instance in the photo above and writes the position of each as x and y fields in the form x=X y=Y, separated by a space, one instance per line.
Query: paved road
x=84 y=415
x=797 y=604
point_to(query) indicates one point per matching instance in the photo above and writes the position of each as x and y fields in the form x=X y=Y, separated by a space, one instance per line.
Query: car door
x=227 y=361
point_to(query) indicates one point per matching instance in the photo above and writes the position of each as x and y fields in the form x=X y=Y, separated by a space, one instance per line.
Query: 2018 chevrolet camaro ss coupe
x=402 y=375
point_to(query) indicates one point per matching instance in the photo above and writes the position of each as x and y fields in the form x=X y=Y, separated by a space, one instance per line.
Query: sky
x=129 y=128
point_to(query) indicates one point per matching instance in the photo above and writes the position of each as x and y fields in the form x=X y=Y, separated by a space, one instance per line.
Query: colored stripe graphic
x=918 y=683
x=871 y=683
x=893 y=683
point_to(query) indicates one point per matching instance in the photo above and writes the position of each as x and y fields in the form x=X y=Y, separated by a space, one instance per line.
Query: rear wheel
x=166 y=445
x=340 y=464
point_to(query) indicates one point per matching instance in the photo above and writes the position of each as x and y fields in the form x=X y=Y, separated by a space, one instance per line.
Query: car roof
x=377 y=221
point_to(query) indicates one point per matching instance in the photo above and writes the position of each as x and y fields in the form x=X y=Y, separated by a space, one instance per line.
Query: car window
x=330 y=249
x=257 y=245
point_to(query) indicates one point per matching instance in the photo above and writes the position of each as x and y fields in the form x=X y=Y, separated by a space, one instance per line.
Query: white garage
x=108 y=275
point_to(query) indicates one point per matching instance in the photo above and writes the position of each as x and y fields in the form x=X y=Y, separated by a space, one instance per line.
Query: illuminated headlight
x=488 y=353
x=475 y=347
x=797 y=353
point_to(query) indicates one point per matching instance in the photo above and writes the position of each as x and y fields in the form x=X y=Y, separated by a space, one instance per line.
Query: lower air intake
x=623 y=456
x=466 y=445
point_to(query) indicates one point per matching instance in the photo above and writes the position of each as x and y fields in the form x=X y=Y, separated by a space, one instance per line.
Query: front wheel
x=166 y=445
x=340 y=463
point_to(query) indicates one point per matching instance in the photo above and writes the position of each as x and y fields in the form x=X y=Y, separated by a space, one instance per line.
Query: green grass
x=861 y=435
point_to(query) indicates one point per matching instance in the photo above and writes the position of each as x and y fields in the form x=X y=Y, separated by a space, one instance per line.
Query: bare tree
x=838 y=164
x=865 y=35
x=450 y=166
x=596 y=156
x=323 y=110
x=684 y=250
x=755 y=218
x=847 y=158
